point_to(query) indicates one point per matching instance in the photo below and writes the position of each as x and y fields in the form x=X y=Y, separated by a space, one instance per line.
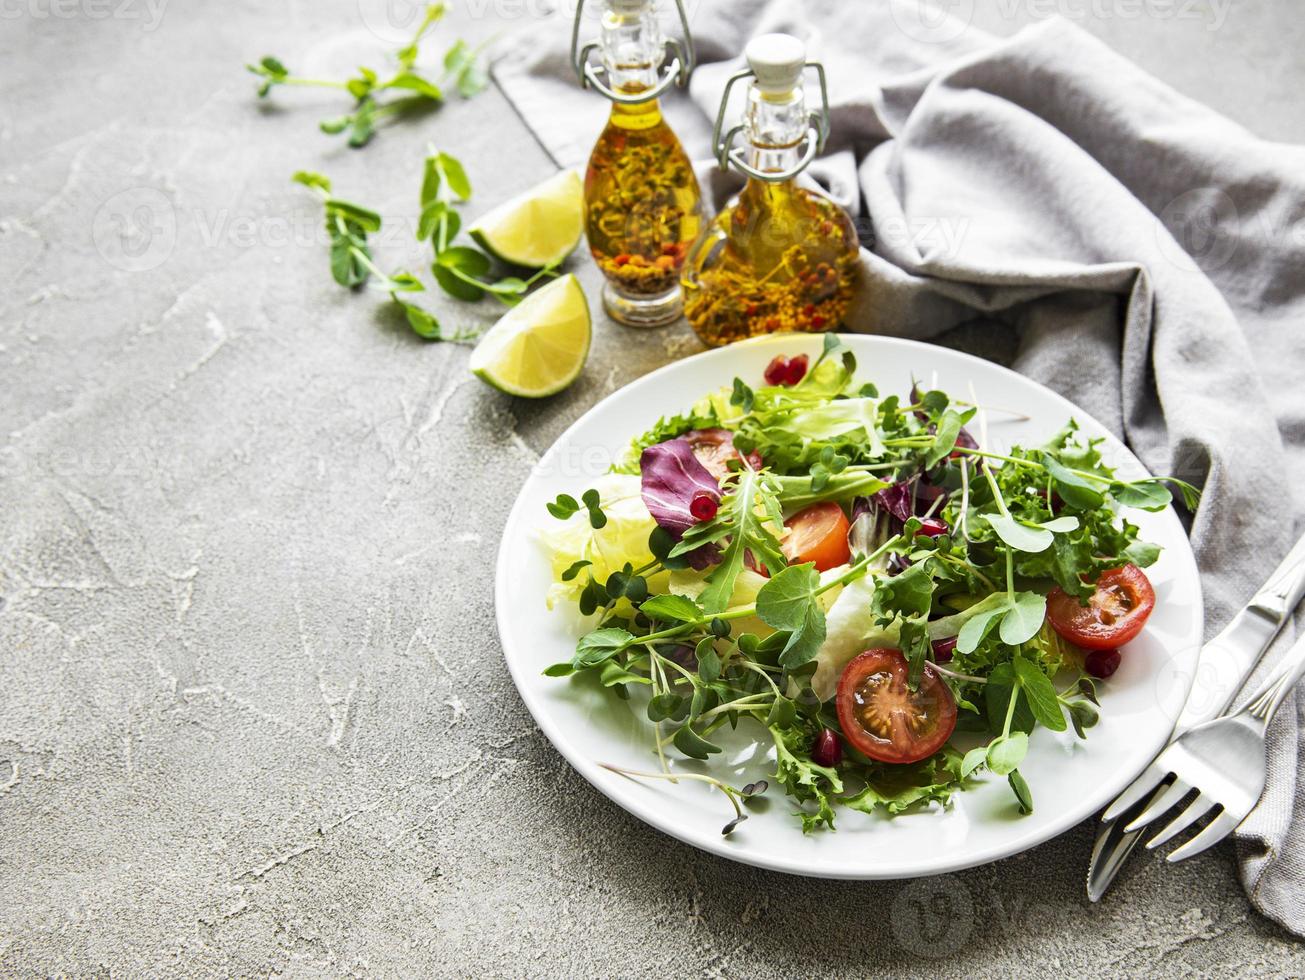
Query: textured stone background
x=253 y=713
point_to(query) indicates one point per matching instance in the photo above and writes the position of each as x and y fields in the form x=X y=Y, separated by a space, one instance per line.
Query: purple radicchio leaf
x=671 y=476
x=898 y=500
x=965 y=441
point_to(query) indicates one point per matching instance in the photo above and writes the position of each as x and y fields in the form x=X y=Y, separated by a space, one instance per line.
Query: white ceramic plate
x=1070 y=780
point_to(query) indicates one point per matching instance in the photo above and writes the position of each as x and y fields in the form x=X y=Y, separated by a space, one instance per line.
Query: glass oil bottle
x=643 y=208
x=779 y=257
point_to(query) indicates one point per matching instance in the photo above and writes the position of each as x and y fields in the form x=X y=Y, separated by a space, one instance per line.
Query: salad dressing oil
x=780 y=257
x=643 y=207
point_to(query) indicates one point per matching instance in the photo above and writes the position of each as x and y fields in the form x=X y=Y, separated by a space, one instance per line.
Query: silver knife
x=1222 y=668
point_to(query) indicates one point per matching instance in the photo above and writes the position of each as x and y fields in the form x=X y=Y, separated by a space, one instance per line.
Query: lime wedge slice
x=538 y=228
x=540 y=345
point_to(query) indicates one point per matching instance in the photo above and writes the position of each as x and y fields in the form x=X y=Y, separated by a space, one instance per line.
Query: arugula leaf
x=738 y=520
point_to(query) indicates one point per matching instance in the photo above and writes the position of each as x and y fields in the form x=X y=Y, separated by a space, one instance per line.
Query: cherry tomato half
x=1115 y=613
x=883 y=718
x=817 y=533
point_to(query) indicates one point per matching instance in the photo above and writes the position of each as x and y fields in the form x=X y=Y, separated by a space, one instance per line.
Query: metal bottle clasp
x=814 y=141
x=677 y=71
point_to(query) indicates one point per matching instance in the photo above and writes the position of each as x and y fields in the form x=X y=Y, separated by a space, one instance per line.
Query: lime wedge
x=538 y=228
x=540 y=345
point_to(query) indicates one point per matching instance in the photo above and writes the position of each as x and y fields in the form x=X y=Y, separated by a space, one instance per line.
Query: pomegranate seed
x=1102 y=663
x=827 y=750
x=932 y=527
x=777 y=370
x=703 y=506
x=621 y=259
x=817 y=321
x=796 y=370
x=944 y=649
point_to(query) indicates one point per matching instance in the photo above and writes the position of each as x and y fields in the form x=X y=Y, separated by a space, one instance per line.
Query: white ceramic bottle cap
x=777 y=60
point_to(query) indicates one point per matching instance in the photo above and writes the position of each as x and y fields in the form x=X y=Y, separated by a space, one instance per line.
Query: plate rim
x=601 y=779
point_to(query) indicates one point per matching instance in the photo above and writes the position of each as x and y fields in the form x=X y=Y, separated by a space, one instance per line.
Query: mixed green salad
x=858 y=579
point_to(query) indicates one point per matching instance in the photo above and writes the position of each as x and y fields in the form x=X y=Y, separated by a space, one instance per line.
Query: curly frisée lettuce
x=697 y=614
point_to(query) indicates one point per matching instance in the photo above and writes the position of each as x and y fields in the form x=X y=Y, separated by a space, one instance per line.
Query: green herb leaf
x=708 y=660
x=1022 y=792
x=949 y=427
x=1020 y=536
x=1023 y=619
x=973 y=759
x=1041 y=694
x=790 y=602
x=563 y=507
x=1073 y=489
x=694 y=745
x=677 y=608
x=599 y=645
x=664 y=706
x=742 y=396
x=1006 y=753
x=1143 y=494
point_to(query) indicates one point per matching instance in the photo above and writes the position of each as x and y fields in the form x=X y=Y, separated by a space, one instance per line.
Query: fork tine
x=1174 y=792
x=1136 y=791
x=1198 y=808
x=1215 y=831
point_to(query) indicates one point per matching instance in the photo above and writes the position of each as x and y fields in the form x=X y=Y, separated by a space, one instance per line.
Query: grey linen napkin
x=1043 y=198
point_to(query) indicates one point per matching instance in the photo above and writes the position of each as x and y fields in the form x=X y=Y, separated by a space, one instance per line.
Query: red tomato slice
x=818 y=534
x=883 y=718
x=715 y=448
x=1115 y=613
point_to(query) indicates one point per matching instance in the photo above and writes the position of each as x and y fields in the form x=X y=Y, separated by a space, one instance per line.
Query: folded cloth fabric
x=1041 y=199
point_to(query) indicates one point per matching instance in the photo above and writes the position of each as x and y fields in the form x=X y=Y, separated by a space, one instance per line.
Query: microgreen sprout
x=735 y=796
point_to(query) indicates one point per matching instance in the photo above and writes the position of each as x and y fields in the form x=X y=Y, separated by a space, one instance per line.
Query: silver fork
x=1222 y=760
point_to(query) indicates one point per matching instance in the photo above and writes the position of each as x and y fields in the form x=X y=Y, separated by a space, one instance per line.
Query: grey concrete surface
x=253 y=714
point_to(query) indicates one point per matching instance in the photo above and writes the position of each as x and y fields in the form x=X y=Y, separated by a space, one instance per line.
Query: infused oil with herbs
x=643 y=207
x=780 y=257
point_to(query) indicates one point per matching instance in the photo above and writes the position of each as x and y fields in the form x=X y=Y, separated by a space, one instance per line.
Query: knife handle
x=1285 y=586
x=1229 y=659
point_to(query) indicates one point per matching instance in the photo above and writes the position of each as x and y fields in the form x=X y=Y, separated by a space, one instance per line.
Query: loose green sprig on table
x=460 y=270
x=413 y=89
x=1016 y=524
x=353 y=266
